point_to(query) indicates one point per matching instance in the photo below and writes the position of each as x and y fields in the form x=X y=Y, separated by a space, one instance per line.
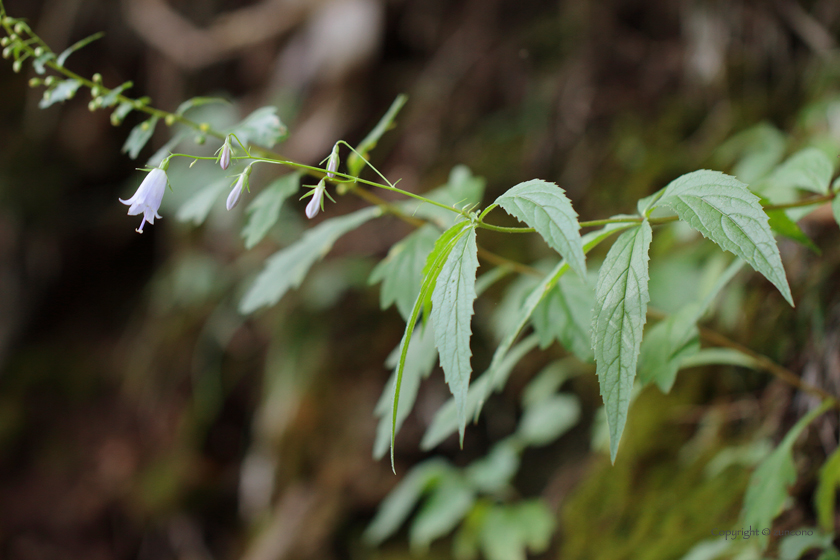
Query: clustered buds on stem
x=149 y=195
x=241 y=184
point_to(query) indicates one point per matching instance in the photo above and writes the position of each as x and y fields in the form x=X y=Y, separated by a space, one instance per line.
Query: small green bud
x=97 y=78
x=95 y=91
x=35 y=82
x=169 y=120
x=200 y=139
x=115 y=119
x=204 y=127
x=144 y=126
x=18 y=64
x=49 y=81
x=20 y=28
x=47 y=95
x=4 y=42
x=7 y=52
x=14 y=38
x=39 y=51
x=92 y=106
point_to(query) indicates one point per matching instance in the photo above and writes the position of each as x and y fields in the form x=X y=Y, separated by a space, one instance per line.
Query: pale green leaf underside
x=826 y=494
x=621 y=297
x=666 y=345
x=198 y=206
x=452 y=310
x=262 y=127
x=63 y=91
x=396 y=508
x=808 y=169
x=447 y=505
x=725 y=211
x=421 y=359
x=544 y=207
x=354 y=162
x=138 y=137
x=401 y=272
x=288 y=267
x=265 y=208
x=768 y=486
x=548 y=419
x=565 y=314
x=445 y=422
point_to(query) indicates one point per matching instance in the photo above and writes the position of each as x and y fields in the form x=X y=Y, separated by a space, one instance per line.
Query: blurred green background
x=142 y=417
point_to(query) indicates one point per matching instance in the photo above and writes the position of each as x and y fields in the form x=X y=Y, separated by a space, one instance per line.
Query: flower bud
x=204 y=127
x=39 y=51
x=4 y=42
x=233 y=197
x=97 y=78
x=7 y=52
x=20 y=28
x=17 y=65
x=332 y=163
x=49 y=81
x=169 y=120
x=224 y=159
x=314 y=205
x=35 y=82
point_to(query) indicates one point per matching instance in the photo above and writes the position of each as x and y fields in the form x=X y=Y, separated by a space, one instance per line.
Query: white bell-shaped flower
x=148 y=197
x=314 y=205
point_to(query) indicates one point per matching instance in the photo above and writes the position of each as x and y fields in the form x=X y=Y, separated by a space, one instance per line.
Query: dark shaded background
x=141 y=417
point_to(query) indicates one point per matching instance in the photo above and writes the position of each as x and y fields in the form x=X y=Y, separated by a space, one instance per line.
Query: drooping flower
x=332 y=163
x=317 y=201
x=148 y=196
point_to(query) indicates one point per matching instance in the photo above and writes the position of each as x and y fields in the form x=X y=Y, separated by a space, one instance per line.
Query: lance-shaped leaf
x=198 y=206
x=452 y=310
x=62 y=91
x=768 y=486
x=265 y=208
x=434 y=264
x=62 y=58
x=621 y=297
x=724 y=210
x=288 y=267
x=401 y=272
x=262 y=127
x=544 y=207
x=355 y=161
x=826 y=495
x=419 y=363
x=566 y=314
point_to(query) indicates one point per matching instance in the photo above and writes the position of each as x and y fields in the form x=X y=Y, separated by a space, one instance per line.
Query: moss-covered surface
x=653 y=503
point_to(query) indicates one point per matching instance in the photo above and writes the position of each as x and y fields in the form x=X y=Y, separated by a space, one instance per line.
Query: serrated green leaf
x=138 y=137
x=445 y=423
x=447 y=505
x=62 y=91
x=565 y=314
x=548 y=419
x=666 y=345
x=434 y=264
x=262 y=127
x=419 y=362
x=507 y=311
x=792 y=547
x=544 y=207
x=401 y=272
x=768 y=486
x=62 y=58
x=620 y=312
x=264 y=210
x=493 y=472
x=198 y=102
x=808 y=169
x=835 y=209
x=825 y=497
x=830 y=553
x=198 y=206
x=288 y=267
x=396 y=508
x=725 y=211
x=590 y=240
x=452 y=311
x=356 y=163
